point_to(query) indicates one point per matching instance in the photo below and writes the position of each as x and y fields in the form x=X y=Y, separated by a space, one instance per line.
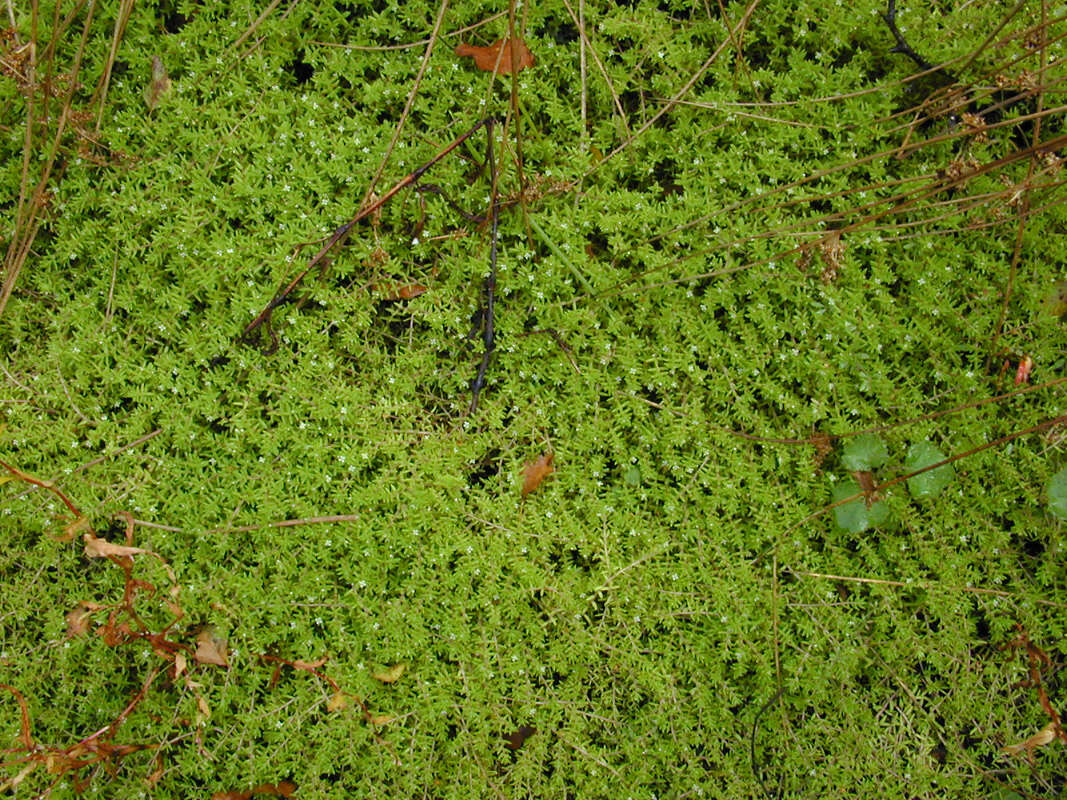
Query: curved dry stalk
x=30 y=205
x=899 y=203
x=1024 y=205
x=673 y=101
x=434 y=34
x=579 y=21
x=100 y=96
x=383 y=48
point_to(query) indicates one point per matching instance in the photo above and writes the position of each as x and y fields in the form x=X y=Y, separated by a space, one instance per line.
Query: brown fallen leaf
x=391 y=675
x=513 y=741
x=96 y=547
x=534 y=472
x=210 y=649
x=337 y=702
x=78 y=621
x=73 y=528
x=823 y=445
x=380 y=719
x=865 y=478
x=159 y=86
x=1039 y=739
x=498 y=56
x=203 y=710
x=396 y=291
x=309 y=666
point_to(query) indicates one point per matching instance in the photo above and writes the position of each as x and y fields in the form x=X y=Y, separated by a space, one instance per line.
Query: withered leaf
x=102 y=548
x=158 y=772
x=210 y=649
x=78 y=621
x=486 y=58
x=337 y=702
x=534 y=472
x=514 y=741
x=1039 y=739
x=73 y=528
x=391 y=675
x=309 y=666
x=12 y=783
x=380 y=719
x=865 y=478
x=158 y=86
x=396 y=291
x=823 y=445
x=203 y=710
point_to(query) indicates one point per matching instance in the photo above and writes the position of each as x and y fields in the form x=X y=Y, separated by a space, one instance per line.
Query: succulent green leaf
x=927 y=484
x=856 y=517
x=1057 y=494
x=864 y=452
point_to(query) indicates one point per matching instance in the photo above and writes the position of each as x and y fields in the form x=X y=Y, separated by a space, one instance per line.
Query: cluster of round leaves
x=868 y=452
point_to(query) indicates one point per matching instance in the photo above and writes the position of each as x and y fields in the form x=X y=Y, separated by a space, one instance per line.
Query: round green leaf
x=864 y=452
x=856 y=517
x=1057 y=494
x=932 y=483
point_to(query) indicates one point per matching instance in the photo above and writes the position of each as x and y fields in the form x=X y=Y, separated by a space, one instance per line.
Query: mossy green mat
x=719 y=266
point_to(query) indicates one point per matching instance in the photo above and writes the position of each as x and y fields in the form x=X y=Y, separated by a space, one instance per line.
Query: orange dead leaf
x=380 y=719
x=308 y=666
x=159 y=86
x=513 y=741
x=73 y=528
x=391 y=675
x=282 y=789
x=1039 y=739
x=396 y=291
x=96 y=547
x=865 y=478
x=498 y=56
x=210 y=649
x=12 y=783
x=158 y=772
x=78 y=621
x=337 y=702
x=823 y=445
x=534 y=472
x=203 y=710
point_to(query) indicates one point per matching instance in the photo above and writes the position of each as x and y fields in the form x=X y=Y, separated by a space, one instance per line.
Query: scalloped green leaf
x=864 y=452
x=928 y=484
x=1057 y=494
x=856 y=517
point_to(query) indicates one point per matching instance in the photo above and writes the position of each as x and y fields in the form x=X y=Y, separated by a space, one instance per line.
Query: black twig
x=433 y=188
x=903 y=47
x=489 y=289
x=263 y=319
x=757 y=768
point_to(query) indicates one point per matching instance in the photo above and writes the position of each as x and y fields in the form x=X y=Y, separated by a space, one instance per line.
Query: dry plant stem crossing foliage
x=125 y=626
x=263 y=319
x=736 y=219
x=486 y=315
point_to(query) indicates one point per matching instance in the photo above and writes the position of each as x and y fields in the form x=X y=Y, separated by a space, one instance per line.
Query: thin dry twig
x=922 y=585
x=434 y=34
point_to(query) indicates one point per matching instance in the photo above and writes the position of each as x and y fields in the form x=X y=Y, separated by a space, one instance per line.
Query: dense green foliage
x=640 y=608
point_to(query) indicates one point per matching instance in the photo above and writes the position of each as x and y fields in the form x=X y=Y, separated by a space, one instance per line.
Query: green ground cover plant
x=778 y=313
